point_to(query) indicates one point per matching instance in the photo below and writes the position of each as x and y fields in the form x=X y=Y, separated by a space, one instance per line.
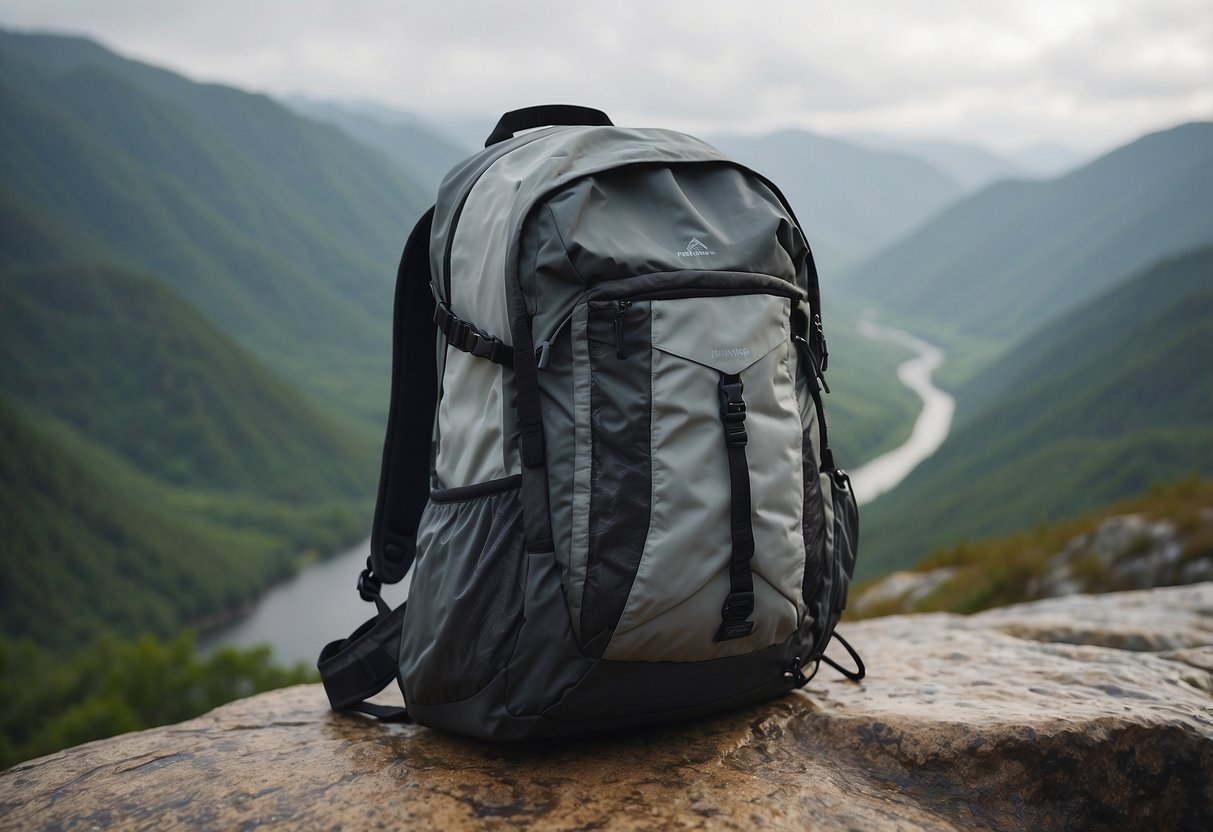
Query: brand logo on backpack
x=695 y=248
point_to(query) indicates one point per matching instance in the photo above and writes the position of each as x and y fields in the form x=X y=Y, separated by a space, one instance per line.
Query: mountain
x=1000 y=262
x=421 y=150
x=850 y=199
x=131 y=366
x=282 y=231
x=1047 y=159
x=973 y=167
x=195 y=296
x=93 y=546
x=153 y=472
x=1092 y=407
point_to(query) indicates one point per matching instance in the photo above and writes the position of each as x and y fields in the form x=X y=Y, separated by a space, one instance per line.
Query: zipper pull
x=621 y=348
x=543 y=354
x=819 y=338
x=806 y=353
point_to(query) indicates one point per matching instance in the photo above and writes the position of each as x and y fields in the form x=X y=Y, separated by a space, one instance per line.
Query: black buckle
x=461 y=335
x=369 y=586
x=738 y=606
x=733 y=410
x=466 y=338
x=737 y=609
x=732 y=405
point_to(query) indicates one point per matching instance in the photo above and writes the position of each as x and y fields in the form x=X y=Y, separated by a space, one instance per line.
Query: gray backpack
x=606 y=457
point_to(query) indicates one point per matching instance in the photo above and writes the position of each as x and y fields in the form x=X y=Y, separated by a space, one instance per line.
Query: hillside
x=152 y=472
x=1093 y=407
x=851 y=200
x=136 y=370
x=970 y=165
x=282 y=231
x=92 y=546
x=997 y=264
x=1162 y=538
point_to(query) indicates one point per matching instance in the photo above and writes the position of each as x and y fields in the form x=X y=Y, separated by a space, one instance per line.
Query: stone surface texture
x=1071 y=713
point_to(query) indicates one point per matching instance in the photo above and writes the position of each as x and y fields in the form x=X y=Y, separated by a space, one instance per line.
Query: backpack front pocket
x=657 y=489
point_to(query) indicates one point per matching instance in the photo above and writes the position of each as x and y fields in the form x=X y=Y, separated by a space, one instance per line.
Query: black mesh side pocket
x=813 y=525
x=838 y=559
x=466 y=599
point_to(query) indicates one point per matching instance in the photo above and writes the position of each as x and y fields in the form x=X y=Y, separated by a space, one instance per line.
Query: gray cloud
x=1085 y=72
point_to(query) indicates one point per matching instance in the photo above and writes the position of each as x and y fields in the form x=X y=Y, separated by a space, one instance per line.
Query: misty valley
x=196 y=289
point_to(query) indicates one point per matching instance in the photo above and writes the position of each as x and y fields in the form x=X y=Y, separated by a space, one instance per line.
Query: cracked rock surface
x=1070 y=713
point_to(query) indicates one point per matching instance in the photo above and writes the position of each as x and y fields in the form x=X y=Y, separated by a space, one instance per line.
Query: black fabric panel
x=813 y=526
x=846 y=541
x=620 y=695
x=404 y=478
x=621 y=467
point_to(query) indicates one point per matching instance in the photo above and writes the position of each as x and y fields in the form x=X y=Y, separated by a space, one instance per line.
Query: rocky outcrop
x=1128 y=551
x=1123 y=552
x=1071 y=713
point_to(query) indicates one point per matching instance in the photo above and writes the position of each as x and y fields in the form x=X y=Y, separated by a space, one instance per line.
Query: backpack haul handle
x=547 y=115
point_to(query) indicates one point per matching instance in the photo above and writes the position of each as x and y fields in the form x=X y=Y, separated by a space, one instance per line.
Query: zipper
x=621 y=347
x=543 y=352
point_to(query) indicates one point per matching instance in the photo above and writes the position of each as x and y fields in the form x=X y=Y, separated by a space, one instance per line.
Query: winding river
x=320 y=603
x=883 y=473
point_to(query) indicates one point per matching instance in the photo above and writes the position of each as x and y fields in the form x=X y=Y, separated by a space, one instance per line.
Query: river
x=883 y=473
x=320 y=603
x=300 y=616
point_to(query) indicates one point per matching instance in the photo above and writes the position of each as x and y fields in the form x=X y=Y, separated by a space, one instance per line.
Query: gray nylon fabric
x=673 y=610
x=472 y=438
x=553 y=223
x=494 y=198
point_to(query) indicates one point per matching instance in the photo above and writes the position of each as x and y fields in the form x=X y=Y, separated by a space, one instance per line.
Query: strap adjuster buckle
x=738 y=606
x=735 y=614
x=733 y=410
x=369 y=586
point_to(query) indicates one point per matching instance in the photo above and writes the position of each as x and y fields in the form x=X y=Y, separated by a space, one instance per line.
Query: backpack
x=606 y=459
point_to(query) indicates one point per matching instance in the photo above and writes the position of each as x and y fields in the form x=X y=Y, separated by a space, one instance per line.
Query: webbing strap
x=465 y=336
x=360 y=666
x=739 y=605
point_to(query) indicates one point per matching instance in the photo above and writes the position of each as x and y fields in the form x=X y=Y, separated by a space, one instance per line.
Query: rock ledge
x=1071 y=713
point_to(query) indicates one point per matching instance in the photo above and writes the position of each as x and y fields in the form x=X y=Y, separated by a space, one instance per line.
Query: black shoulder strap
x=360 y=666
x=404 y=480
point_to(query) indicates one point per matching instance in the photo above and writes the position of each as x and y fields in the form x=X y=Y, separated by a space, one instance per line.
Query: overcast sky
x=1087 y=73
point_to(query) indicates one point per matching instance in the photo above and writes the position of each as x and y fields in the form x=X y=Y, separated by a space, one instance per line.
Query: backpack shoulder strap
x=404 y=479
x=360 y=666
